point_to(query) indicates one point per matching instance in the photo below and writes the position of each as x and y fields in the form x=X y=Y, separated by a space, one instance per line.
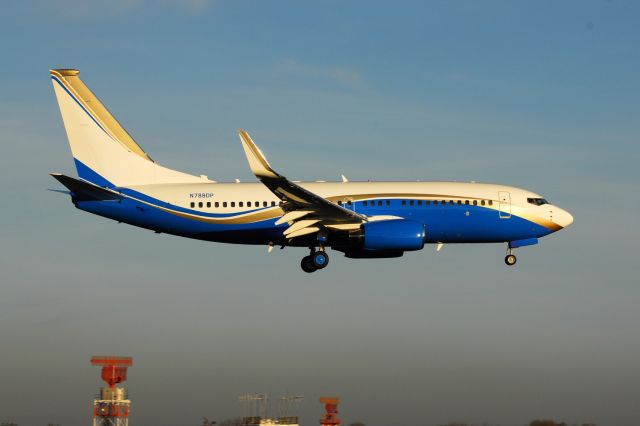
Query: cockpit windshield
x=537 y=201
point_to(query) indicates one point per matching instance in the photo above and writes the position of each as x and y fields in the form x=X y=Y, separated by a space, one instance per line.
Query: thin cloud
x=344 y=76
x=75 y=9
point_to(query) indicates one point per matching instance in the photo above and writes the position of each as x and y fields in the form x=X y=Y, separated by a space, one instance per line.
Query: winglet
x=257 y=161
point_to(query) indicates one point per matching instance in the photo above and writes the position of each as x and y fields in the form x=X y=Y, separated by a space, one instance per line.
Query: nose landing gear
x=316 y=260
x=510 y=259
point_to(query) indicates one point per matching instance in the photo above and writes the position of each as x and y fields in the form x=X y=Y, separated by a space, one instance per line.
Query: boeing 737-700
x=117 y=179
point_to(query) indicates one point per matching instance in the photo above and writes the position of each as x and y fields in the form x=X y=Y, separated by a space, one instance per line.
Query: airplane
x=118 y=180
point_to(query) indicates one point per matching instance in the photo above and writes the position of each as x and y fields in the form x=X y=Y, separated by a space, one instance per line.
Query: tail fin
x=104 y=153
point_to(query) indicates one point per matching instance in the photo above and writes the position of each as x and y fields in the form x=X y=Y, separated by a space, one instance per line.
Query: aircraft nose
x=562 y=217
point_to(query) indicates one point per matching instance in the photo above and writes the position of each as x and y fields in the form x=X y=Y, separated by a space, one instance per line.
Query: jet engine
x=393 y=236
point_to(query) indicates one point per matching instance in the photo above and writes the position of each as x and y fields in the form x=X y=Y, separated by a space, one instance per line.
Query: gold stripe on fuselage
x=275 y=212
x=242 y=218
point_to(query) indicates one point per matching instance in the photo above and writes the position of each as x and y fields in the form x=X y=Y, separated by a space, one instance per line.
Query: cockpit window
x=537 y=201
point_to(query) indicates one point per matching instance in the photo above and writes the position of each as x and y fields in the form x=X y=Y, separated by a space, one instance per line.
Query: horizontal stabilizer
x=61 y=191
x=84 y=191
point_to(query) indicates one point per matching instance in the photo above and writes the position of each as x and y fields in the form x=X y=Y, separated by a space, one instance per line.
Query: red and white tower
x=330 y=417
x=112 y=407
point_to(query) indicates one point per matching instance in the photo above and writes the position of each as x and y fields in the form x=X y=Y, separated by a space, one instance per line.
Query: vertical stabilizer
x=104 y=152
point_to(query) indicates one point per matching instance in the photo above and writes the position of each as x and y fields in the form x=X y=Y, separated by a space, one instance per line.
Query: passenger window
x=240 y=204
x=193 y=204
x=426 y=203
x=459 y=202
x=388 y=203
x=217 y=204
x=199 y=204
x=208 y=204
x=273 y=204
x=248 y=203
x=224 y=204
x=475 y=202
x=411 y=202
x=419 y=202
x=233 y=204
x=466 y=202
x=435 y=202
x=264 y=204
x=379 y=203
x=482 y=202
x=490 y=202
x=365 y=203
x=257 y=204
x=349 y=203
x=404 y=202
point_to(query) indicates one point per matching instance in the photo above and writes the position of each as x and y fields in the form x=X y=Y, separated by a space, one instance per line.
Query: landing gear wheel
x=510 y=260
x=307 y=265
x=319 y=259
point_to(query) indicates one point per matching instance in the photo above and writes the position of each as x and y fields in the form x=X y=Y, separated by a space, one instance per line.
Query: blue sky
x=542 y=95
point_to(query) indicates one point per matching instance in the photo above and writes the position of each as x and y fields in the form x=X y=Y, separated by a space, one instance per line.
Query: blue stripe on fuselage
x=140 y=214
x=445 y=222
x=459 y=223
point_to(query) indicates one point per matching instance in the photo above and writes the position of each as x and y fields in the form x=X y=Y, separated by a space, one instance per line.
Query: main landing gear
x=316 y=260
x=510 y=259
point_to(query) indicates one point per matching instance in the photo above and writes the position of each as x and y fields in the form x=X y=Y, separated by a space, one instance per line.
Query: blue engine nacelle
x=393 y=234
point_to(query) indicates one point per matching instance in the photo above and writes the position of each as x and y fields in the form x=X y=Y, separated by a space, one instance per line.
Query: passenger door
x=504 y=204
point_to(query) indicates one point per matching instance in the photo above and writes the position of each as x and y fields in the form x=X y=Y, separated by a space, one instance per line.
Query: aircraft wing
x=304 y=211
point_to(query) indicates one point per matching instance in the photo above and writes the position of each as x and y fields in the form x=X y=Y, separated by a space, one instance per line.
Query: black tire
x=307 y=265
x=320 y=259
x=510 y=260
